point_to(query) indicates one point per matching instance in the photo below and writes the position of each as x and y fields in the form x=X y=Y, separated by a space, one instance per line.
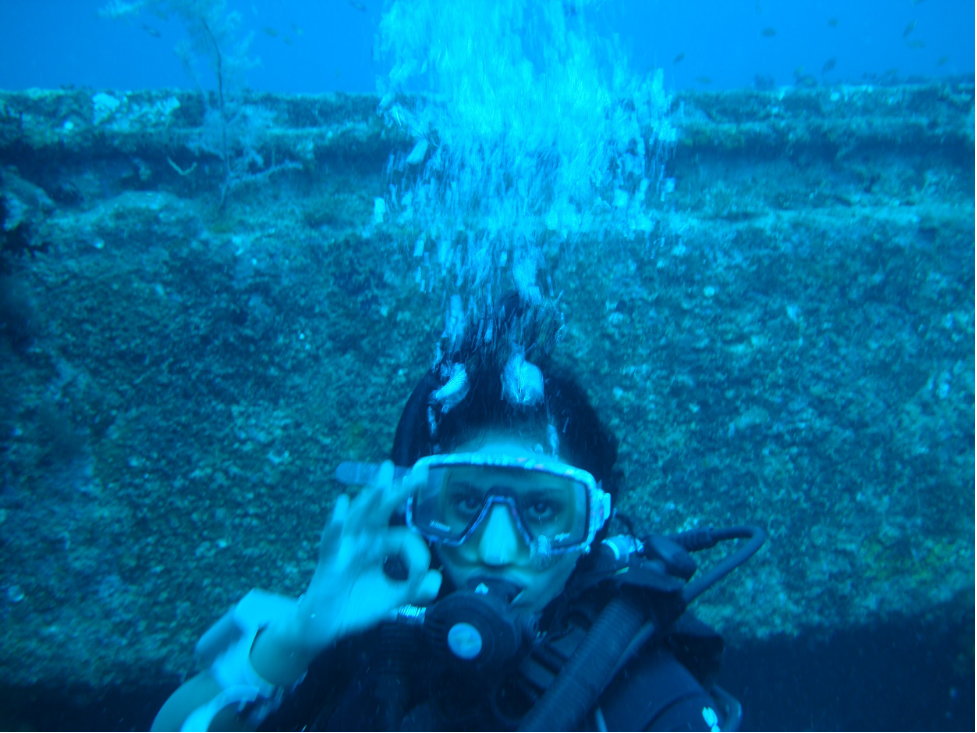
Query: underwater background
x=235 y=234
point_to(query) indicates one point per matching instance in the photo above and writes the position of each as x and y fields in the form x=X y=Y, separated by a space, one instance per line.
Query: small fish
x=758 y=8
x=768 y=32
x=269 y=31
x=917 y=2
x=703 y=79
x=298 y=30
x=909 y=28
x=678 y=59
x=917 y=44
x=152 y=31
x=943 y=60
x=358 y=4
x=798 y=72
x=288 y=41
x=829 y=65
x=833 y=22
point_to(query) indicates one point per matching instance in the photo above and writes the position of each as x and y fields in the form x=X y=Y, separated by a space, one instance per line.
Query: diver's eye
x=466 y=503
x=541 y=510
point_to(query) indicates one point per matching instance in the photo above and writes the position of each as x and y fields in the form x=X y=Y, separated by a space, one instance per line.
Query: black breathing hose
x=596 y=660
x=703 y=539
x=589 y=670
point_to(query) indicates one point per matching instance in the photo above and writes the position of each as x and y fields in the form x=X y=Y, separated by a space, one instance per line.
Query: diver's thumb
x=428 y=589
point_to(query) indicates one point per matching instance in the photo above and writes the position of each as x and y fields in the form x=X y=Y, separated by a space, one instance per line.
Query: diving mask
x=555 y=507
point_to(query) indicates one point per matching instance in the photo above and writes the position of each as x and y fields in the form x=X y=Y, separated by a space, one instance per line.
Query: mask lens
x=455 y=498
x=443 y=514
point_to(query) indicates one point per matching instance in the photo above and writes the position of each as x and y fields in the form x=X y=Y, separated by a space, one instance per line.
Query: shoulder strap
x=657 y=693
x=688 y=644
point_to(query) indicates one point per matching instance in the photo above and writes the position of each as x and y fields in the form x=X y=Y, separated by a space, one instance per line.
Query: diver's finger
x=385 y=476
x=417 y=476
x=395 y=497
x=363 y=507
x=333 y=531
x=369 y=509
x=428 y=590
x=340 y=511
x=388 y=497
x=413 y=552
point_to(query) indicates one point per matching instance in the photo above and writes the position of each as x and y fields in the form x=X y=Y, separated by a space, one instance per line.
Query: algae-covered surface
x=188 y=349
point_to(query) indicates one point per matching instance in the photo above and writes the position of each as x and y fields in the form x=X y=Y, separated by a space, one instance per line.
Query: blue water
x=329 y=46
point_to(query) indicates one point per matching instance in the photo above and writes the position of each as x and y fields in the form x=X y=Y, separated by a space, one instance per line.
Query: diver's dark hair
x=425 y=429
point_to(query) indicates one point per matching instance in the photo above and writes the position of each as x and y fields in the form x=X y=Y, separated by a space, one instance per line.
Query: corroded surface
x=792 y=346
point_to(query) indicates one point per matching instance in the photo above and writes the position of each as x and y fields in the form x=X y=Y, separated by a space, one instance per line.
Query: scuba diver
x=474 y=583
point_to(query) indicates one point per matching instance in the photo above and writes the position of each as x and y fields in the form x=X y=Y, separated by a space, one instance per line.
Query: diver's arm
x=274 y=656
x=192 y=694
x=267 y=642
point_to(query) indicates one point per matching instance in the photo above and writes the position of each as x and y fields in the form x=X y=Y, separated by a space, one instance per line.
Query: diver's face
x=497 y=549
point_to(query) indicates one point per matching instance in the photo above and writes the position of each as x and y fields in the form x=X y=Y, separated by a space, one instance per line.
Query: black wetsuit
x=389 y=679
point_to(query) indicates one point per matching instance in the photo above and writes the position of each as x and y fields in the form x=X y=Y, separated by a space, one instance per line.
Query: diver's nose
x=499 y=542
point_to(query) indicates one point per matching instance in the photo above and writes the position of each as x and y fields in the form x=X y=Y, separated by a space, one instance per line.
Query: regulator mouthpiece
x=476 y=630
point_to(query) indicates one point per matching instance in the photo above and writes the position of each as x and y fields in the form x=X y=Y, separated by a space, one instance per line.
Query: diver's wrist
x=280 y=655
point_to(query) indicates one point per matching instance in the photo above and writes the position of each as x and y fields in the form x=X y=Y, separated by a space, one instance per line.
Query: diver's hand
x=350 y=591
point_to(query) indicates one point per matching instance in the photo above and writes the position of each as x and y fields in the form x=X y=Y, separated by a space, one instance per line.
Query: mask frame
x=598 y=501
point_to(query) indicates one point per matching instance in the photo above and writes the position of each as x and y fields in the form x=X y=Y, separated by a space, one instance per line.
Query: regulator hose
x=703 y=539
x=594 y=663
x=589 y=670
